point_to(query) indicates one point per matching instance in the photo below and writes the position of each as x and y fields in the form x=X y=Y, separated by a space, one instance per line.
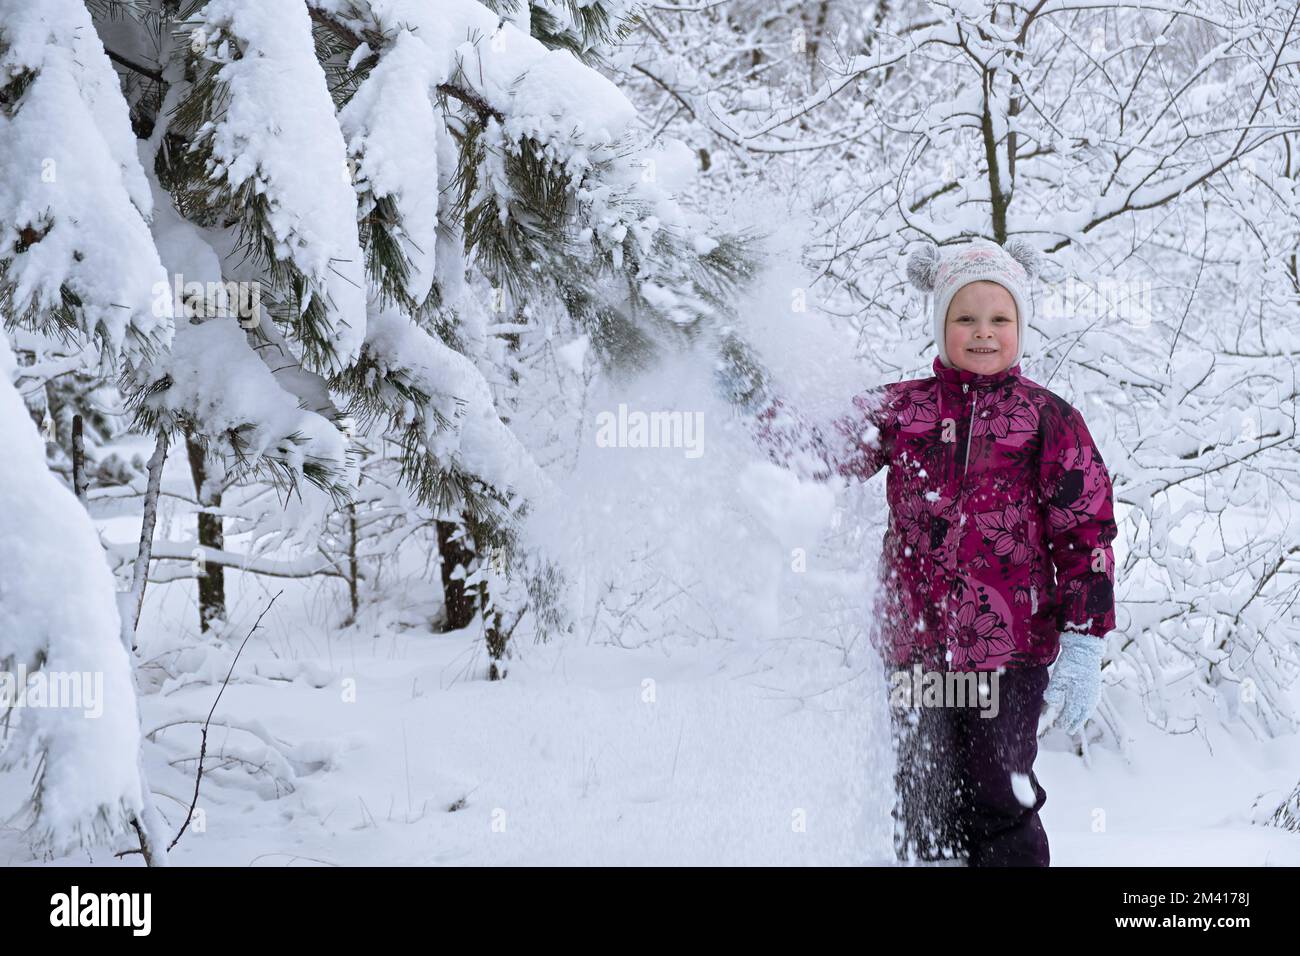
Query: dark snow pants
x=955 y=794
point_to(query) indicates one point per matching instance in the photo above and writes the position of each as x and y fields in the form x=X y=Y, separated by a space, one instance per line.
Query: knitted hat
x=1013 y=266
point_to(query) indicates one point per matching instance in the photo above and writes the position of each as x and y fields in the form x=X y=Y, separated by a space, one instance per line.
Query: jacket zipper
x=970 y=429
x=961 y=493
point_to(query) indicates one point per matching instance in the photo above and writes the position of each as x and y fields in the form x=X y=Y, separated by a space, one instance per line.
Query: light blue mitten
x=1075 y=685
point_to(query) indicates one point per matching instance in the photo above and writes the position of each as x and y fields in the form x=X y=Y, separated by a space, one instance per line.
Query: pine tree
x=301 y=226
x=76 y=262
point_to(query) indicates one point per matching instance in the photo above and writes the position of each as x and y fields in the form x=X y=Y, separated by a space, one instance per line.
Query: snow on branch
x=75 y=250
x=264 y=124
x=59 y=625
x=213 y=383
x=456 y=419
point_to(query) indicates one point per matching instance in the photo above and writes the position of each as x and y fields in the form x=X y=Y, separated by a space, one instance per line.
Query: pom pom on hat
x=1024 y=252
x=923 y=266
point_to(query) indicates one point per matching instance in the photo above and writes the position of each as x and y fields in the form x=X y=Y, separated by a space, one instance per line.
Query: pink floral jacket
x=1001 y=515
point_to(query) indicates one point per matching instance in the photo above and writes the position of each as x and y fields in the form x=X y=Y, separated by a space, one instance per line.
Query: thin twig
x=203 y=745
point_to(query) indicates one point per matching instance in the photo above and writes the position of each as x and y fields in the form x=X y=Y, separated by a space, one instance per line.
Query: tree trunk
x=212 y=582
x=353 y=570
x=493 y=636
x=464 y=605
x=459 y=604
x=149 y=825
x=78 y=460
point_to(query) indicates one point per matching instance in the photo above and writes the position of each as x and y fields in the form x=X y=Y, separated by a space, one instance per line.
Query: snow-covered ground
x=395 y=749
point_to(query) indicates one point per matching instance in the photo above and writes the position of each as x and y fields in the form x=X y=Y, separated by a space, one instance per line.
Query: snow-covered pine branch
x=75 y=252
x=59 y=624
x=392 y=179
x=263 y=145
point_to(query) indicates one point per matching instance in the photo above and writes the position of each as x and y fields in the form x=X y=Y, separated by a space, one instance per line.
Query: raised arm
x=856 y=445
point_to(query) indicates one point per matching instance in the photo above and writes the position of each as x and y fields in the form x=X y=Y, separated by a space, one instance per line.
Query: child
x=997 y=557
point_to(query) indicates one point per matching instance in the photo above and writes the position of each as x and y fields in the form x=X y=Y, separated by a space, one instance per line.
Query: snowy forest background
x=313 y=310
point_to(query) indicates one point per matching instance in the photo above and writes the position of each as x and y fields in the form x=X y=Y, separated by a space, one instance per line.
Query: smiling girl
x=997 y=556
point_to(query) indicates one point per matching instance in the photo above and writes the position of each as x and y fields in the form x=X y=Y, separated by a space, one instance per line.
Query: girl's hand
x=735 y=385
x=1075 y=685
x=739 y=378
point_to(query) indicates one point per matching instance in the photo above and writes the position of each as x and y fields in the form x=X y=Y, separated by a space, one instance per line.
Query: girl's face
x=980 y=331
